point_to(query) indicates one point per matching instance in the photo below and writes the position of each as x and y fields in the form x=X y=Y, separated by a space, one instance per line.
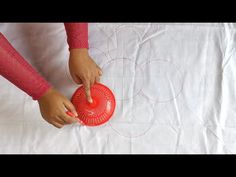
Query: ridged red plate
x=98 y=112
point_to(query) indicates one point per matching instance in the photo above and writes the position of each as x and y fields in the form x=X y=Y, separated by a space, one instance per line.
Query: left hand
x=84 y=70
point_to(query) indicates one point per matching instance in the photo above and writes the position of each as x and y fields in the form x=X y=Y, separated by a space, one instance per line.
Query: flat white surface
x=174 y=85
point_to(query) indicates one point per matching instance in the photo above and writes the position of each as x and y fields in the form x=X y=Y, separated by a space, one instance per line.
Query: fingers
x=63 y=119
x=88 y=80
x=70 y=114
x=86 y=84
x=99 y=71
x=58 y=125
x=67 y=119
x=69 y=106
x=92 y=80
x=58 y=122
x=76 y=79
x=97 y=79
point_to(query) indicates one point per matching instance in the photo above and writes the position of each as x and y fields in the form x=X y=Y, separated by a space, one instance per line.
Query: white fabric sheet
x=174 y=86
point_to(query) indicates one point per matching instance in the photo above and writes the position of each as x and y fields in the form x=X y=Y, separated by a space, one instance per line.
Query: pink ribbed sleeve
x=19 y=72
x=77 y=35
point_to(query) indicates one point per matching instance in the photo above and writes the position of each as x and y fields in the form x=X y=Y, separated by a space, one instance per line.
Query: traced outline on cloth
x=112 y=29
x=120 y=26
x=167 y=107
x=99 y=29
x=134 y=28
x=140 y=38
x=102 y=52
x=150 y=37
x=167 y=104
x=137 y=69
x=141 y=45
x=114 y=35
x=150 y=125
x=177 y=70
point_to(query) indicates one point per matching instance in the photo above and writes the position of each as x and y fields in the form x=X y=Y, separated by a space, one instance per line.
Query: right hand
x=53 y=107
x=84 y=70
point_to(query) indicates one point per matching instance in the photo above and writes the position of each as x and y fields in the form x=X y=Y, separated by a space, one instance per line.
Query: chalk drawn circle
x=133 y=118
x=123 y=77
x=124 y=42
x=163 y=80
x=99 y=57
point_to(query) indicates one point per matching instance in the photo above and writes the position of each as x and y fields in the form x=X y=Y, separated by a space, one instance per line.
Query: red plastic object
x=70 y=113
x=100 y=110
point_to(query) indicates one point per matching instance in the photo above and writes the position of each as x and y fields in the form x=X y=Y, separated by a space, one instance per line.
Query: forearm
x=77 y=35
x=19 y=72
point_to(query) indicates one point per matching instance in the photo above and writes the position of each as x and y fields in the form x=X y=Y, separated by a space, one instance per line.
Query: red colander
x=100 y=110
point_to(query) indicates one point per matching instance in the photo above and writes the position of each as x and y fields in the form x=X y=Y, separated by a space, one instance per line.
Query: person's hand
x=53 y=107
x=84 y=70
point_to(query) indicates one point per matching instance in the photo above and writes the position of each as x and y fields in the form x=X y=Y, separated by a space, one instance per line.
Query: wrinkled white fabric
x=174 y=86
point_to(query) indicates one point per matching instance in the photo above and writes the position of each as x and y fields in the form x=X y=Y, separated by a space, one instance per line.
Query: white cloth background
x=174 y=85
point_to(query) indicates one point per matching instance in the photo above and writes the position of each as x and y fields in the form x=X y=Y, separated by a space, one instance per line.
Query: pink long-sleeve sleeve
x=77 y=35
x=19 y=72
